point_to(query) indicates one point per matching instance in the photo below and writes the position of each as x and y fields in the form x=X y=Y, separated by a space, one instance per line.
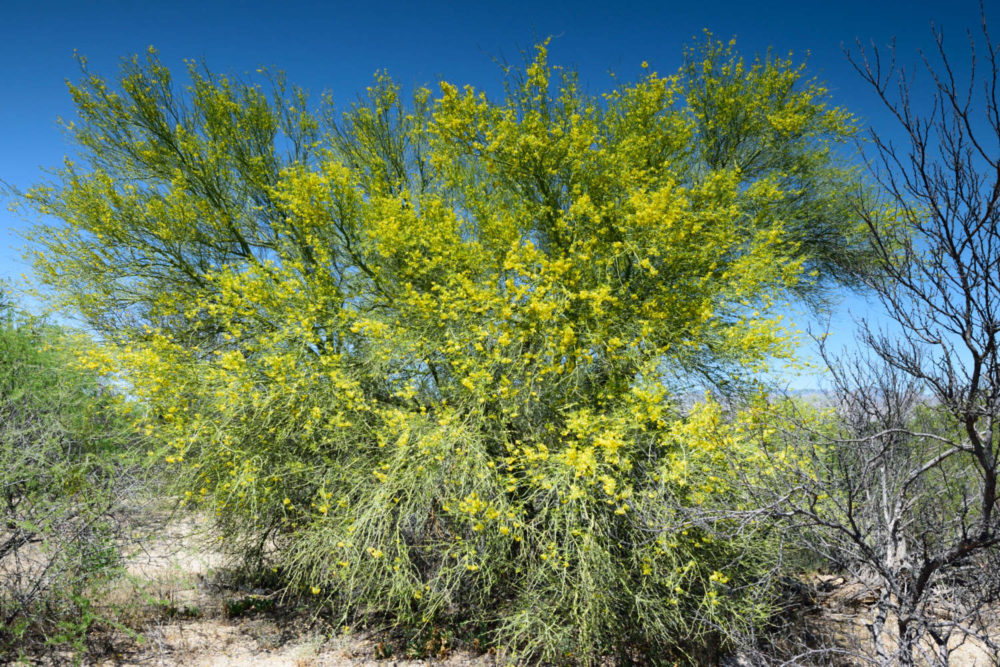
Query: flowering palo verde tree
x=426 y=357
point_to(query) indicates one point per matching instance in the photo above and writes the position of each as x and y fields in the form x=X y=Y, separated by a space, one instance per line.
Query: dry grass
x=177 y=595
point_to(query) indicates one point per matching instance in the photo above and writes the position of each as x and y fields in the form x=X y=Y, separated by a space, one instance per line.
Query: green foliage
x=429 y=363
x=248 y=604
x=61 y=475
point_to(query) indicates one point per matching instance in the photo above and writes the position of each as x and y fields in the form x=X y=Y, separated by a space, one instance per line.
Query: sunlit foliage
x=428 y=357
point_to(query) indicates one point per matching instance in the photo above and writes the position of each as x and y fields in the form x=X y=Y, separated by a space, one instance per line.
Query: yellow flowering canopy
x=432 y=347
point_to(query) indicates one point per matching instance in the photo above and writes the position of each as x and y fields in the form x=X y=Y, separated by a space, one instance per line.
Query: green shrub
x=64 y=471
x=430 y=367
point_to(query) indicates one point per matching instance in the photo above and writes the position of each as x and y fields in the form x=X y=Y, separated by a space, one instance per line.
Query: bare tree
x=900 y=488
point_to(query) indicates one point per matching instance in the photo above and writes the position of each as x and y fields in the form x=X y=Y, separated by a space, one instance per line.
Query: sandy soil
x=177 y=596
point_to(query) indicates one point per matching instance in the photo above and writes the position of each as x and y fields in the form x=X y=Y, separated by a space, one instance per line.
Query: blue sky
x=337 y=46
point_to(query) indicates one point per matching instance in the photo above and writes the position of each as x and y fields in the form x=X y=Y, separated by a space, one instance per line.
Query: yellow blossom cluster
x=438 y=355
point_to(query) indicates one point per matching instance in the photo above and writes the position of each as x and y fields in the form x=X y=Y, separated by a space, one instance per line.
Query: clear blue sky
x=337 y=46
